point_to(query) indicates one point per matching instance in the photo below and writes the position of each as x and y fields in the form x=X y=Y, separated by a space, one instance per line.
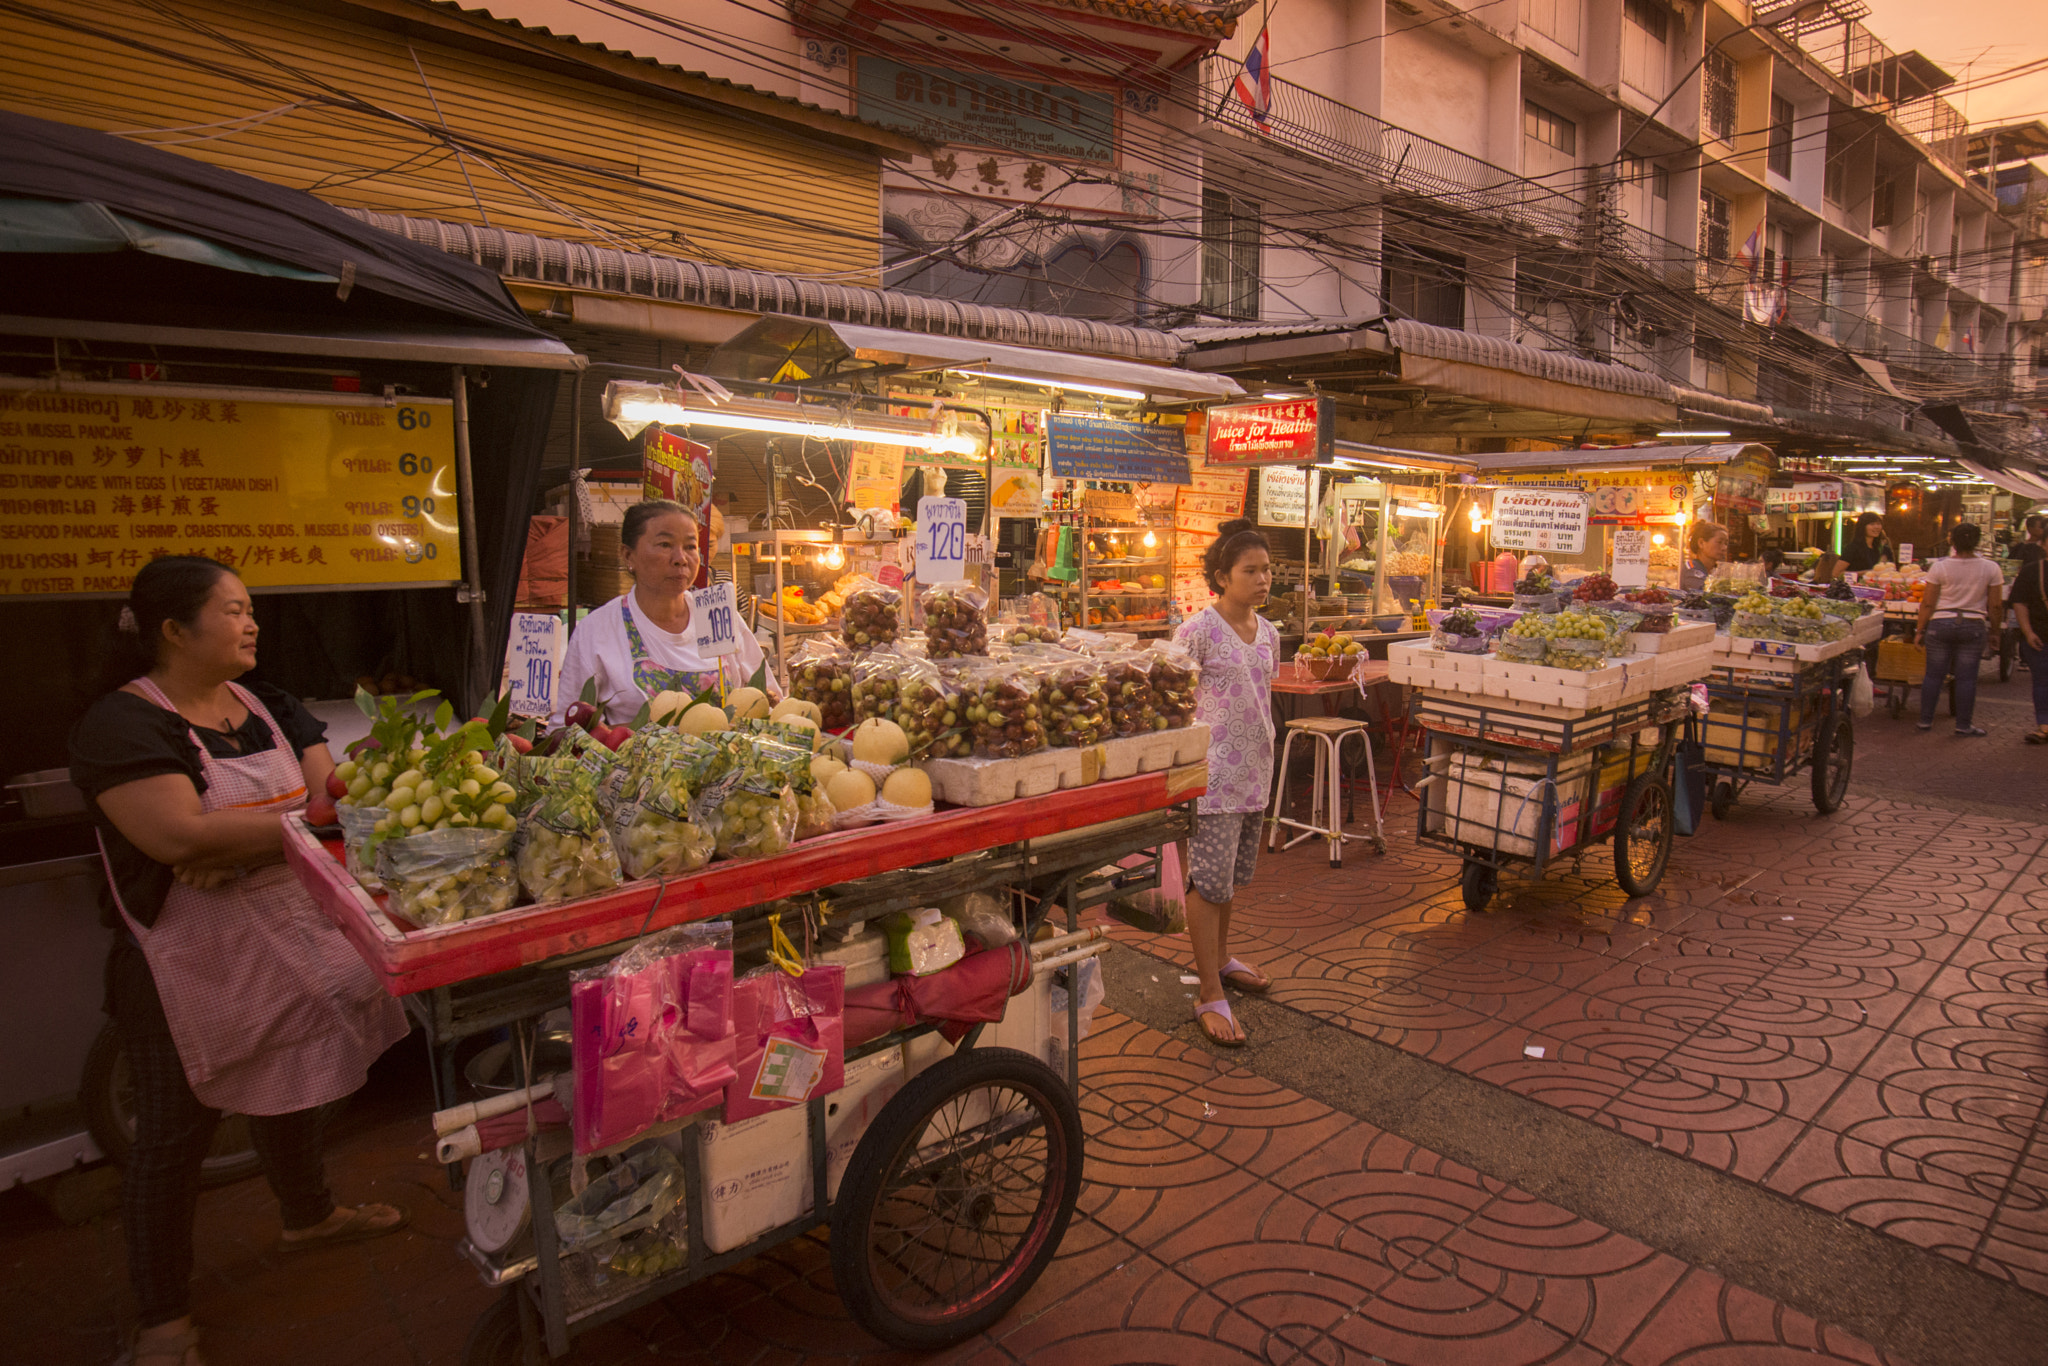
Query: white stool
x=1326 y=804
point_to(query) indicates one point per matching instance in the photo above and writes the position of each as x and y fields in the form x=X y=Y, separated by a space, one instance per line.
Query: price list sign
x=1540 y=519
x=714 y=620
x=97 y=481
x=941 y=540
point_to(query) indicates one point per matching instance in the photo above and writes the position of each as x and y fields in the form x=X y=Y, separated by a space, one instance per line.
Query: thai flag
x=1752 y=253
x=1255 y=82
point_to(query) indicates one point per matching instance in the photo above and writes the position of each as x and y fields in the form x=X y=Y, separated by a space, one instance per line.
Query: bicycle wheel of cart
x=494 y=1337
x=1642 y=834
x=1834 y=756
x=1478 y=883
x=1721 y=798
x=107 y=1093
x=2008 y=648
x=956 y=1198
x=1895 y=698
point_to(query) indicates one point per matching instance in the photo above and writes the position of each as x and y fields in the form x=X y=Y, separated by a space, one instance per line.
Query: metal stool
x=1326 y=805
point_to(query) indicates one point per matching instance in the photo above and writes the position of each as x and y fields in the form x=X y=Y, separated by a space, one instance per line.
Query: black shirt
x=2026 y=552
x=1862 y=556
x=2031 y=588
x=123 y=738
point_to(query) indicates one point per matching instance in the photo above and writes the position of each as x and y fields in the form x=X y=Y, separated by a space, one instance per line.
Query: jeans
x=2037 y=671
x=1953 y=643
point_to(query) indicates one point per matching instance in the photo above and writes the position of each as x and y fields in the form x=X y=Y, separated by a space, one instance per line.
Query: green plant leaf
x=760 y=676
x=443 y=715
x=422 y=695
x=640 y=717
x=589 y=693
x=366 y=704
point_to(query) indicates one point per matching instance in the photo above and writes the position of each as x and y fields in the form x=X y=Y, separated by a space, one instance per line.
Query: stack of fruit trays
x=1657 y=608
x=1466 y=630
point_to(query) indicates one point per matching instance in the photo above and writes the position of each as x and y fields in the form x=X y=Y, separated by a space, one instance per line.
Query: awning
x=1396 y=458
x=1721 y=406
x=436 y=346
x=2024 y=483
x=1617 y=459
x=1880 y=374
x=1494 y=370
x=808 y=343
x=45 y=226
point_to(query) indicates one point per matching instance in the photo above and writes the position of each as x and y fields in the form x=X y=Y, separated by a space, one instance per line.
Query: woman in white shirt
x=641 y=643
x=1961 y=600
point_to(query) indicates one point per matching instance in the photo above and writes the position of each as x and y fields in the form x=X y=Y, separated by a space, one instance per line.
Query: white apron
x=271 y=1008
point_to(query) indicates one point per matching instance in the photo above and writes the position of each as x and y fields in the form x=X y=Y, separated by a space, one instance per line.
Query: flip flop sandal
x=1203 y=1008
x=1242 y=975
x=362 y=1224
x=2039 y=737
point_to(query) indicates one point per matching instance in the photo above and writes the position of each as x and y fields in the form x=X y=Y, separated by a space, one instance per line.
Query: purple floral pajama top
x=1235 y=700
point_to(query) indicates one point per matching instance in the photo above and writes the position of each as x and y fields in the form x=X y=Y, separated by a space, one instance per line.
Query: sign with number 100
x=941 y=540
x=714 y=620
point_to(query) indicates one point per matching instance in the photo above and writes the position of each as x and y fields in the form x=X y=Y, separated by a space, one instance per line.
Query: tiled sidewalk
x=1849 y=1010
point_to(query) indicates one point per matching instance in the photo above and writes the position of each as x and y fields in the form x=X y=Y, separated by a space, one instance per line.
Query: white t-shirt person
x=1964 y=580
x=632 y=659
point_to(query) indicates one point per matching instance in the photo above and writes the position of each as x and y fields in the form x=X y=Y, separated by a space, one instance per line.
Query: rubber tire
x=1478 y=883
x=1895 y=698
x=494 y=1337
x=1649 y=790
x=902 y=1121
x=1836 y=735
x=2008 y=649
x=1721 y=798
x=102 y=1091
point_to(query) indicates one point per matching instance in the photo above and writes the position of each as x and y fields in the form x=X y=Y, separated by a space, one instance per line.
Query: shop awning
x=1617 y=459
x=807 y=343
x=2023 y=482
x=436 y=346
x=1494 y=370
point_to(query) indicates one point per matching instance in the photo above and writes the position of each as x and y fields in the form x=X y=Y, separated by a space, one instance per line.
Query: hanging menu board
x=1540 y=519
x=289 y=490
x=1104 y=448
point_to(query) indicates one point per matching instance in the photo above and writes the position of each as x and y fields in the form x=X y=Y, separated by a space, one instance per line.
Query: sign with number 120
x=714 y=620
x=941 y=540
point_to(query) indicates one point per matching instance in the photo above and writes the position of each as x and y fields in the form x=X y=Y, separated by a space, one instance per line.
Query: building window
x=1884 y=203
x=1230 y=255
x=1550 y=129
x=1779 y=156
x=1650 y=16
x=1557 y=20
x=1644 y=64
x=1660 y=182
x=1719 y=96
x=1428 y=286
x=1714 y=226
x=1834 y=182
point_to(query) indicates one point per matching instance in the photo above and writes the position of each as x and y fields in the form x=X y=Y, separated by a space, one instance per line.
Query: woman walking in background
x=1962 y=597
x=1237 y=649
x=2030 y=606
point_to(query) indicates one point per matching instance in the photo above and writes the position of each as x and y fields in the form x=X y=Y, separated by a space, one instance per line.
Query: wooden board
x=409 y=961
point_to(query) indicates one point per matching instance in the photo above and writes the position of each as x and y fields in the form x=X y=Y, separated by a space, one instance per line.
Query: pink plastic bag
x=791 y=1041
x=653 y=1037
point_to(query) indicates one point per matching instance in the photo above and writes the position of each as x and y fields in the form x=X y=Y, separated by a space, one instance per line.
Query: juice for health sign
x=1297 y=432
x=319 y=491
x=1540 y=519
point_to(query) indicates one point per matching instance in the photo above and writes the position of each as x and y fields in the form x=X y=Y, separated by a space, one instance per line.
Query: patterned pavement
x=1849 y=1013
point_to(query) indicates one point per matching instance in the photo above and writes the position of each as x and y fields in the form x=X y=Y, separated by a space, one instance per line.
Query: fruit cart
x=945 y=1199
x=1525 y=784
x=1769 y=716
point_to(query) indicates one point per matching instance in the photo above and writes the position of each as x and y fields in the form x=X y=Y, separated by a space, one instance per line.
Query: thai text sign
x=1029 y=117
x=1104 y=448
x=1283 y=497
x=319 y=492
x=1622 y=497
x=1540 y=519
x=1292 y=433
x=1814 y=497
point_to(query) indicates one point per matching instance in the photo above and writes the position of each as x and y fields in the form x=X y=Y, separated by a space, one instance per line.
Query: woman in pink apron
x=231 y=991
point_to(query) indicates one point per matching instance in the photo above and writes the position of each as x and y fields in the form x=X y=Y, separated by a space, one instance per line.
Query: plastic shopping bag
x=791 y=1039
x=653 y=1034
x=1689 y=782
x=1862 y=693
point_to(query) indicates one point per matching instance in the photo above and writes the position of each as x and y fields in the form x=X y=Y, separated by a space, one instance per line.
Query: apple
x=581 y=714
x=320 y=811
x=336 y=788
x=611 y=737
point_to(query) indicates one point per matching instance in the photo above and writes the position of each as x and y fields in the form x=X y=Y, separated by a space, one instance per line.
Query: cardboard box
x=1898 y=662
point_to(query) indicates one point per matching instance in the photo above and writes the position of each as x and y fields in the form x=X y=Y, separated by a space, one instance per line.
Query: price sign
x=1905 y=554
x=1631 y=557
x=714 y=620
x=1540 y=519
x=533 y=661
x=941 y=540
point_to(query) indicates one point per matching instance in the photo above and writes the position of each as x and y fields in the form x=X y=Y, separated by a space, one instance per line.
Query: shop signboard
x=1030 y=118
x=1621 y=497
x=1540 y=519
x=1631 y=557
x=533 y=660
x=1740 y=486
x=1296 y=432
x=289 y=490
x=1805 y=497
x=1081 y=447
x=1283 y=497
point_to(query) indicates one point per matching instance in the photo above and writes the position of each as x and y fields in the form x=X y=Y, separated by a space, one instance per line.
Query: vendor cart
x=1771 y=716
x=946 y=1200
x=1522 y=784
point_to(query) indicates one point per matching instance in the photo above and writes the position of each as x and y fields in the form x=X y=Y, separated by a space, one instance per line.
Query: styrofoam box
x=1781 y=649
x=1466 y=802
x=1865 y=629
x=757 y=1173
x=1162 y=749
x=1684 y=636
x=865 y=956
x=988 y=782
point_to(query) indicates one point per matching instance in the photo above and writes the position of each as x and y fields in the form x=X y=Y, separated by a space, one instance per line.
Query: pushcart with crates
x=1771 y=716
x=948 y=1163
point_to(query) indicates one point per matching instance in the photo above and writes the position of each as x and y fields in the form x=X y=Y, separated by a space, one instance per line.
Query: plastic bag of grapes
x=751 y=809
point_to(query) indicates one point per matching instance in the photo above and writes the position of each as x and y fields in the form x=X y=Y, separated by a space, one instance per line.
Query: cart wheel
x=1642 y=834
x=1722 y=798
x=107 y=1092
x=1895 y=696
x=494 y=1337
x=956 y=1198
x=1479 y=884
x=1834 y=755
x=2008 y=647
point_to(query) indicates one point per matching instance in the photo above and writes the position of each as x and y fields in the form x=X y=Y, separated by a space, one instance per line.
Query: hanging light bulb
x=833 y=557
x=1657 y=538
x=1150 y=540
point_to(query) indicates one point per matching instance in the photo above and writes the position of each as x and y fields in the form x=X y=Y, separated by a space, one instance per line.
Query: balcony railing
x=1397 y=161
x=1883 y=80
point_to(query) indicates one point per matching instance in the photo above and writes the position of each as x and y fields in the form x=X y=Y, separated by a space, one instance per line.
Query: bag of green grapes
x=751 y=808
x=813 y=812
x=654 y=832
x=564 y=849
x=437 y=877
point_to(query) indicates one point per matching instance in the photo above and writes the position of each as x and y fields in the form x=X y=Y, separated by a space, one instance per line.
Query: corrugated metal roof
x=1446 y=343
x=1223 y=333
x=1209 y=20
x=525 y=257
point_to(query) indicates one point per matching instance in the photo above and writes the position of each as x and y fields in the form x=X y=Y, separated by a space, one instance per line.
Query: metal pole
x=473 y=593
x=575 y=511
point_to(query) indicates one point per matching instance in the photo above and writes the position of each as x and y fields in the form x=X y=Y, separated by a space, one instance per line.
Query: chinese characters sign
x=1029 y=117
x=291 y=494
x=1622 y=497
x=1540 y=519
x=1293 y=433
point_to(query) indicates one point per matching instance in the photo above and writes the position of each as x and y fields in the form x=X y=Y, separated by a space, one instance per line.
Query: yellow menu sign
x=315 y=492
